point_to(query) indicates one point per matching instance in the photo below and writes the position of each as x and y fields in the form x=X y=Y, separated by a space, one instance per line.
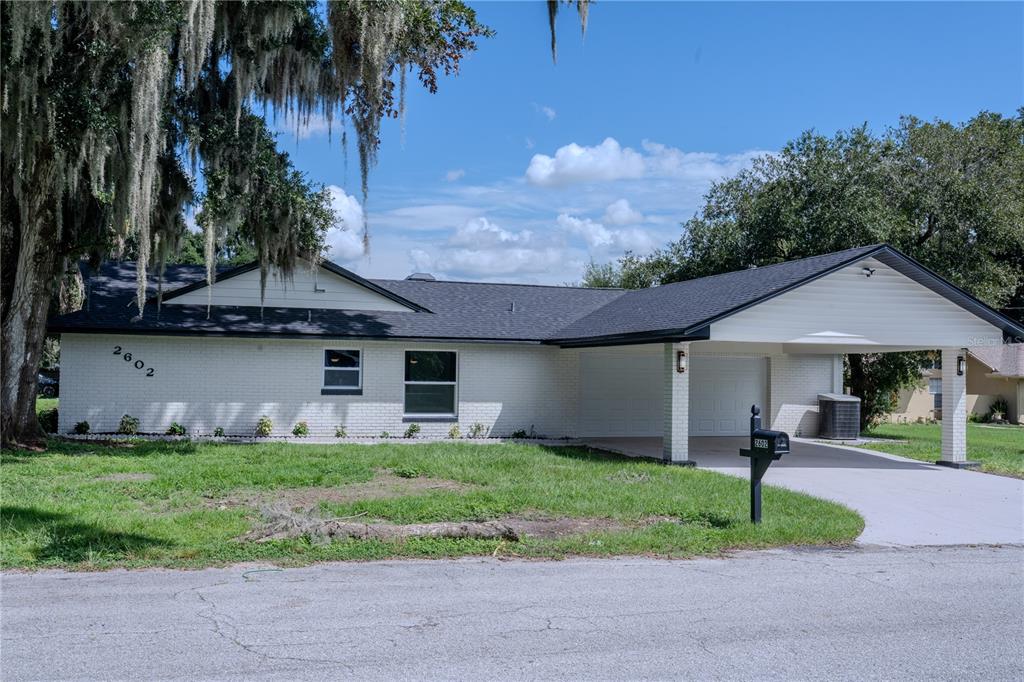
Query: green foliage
x=477 y=430
x=218 y=432
x=998 y=409
x=48 y=420
x=300 y=430
x=519 y=433
x=81 y=428
x=454 y=433
x=384 y=434
x=264 y=427
x=412 y=431
x=129 y=425
x=175 y=429
x=878 y=378
x=406 y=472
x=340 y=432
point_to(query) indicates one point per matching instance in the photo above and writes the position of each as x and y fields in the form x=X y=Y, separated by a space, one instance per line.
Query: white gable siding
x=339 y=293
x=846 y=308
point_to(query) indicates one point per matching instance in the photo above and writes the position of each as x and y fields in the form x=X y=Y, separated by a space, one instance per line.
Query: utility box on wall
x=839 y=416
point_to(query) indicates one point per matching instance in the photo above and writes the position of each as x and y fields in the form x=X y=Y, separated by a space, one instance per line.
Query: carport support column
x=954 y=409
x=676 y=431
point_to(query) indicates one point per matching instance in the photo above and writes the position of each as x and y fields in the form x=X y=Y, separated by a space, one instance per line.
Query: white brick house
x=676 y=361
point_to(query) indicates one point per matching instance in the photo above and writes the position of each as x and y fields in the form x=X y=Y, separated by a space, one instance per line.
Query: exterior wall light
x=680 y=361
x=961 y=365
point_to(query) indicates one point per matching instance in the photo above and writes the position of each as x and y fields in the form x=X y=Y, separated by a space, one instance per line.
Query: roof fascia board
x=658 y=336
x=117 y=331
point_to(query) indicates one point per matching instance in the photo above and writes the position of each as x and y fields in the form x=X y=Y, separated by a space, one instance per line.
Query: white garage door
x=721 y=393
x=620 y=392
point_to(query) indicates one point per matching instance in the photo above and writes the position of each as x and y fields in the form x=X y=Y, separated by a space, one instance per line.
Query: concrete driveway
x=903 y=501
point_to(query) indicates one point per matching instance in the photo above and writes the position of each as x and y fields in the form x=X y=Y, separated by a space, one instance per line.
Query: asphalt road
x=863 y=613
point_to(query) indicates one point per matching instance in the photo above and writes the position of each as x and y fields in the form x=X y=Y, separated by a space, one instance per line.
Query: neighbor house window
x=430 y=383
x=343 y=371
x=935 y=388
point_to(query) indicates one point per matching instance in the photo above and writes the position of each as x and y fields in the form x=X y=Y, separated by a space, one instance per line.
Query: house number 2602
x=138 y=364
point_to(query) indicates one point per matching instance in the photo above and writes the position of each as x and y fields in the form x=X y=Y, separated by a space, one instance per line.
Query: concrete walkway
x=903 y=501
x=947 y=613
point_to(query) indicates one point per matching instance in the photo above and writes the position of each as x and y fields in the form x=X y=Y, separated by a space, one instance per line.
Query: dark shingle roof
x=481 y=311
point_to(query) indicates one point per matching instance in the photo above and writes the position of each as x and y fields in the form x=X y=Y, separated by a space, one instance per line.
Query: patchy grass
x=43 y=404
x=86 y=505
x=1000 y=449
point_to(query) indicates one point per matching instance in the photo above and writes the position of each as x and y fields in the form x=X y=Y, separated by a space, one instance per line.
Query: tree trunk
x=33 y=251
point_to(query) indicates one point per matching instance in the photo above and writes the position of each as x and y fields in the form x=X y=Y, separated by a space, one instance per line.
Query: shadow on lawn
x=71 y=541
x=586 y=453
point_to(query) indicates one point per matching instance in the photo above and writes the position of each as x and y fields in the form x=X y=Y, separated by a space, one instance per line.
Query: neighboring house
x=993 y=372
x=675 y=361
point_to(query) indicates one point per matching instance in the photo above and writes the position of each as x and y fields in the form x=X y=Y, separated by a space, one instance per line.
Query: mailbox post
x=766 y=446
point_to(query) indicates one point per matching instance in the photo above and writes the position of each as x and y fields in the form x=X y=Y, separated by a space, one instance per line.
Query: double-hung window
x=343 y=372
x=430 y=383
x=935 y=388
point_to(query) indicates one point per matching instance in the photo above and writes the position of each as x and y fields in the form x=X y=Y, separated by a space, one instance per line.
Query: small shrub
x=997 y=412
x=406 y=472
x=385 y=434
x=519 y=433
x=175 y=429
x=218 y=432
x=413 y=429
x=476 y=430
x=81 y=428
x=48 y=420
x=301 y=430
x=340 y=432
x=264 y=427
x=454 y=432
x=129 y=425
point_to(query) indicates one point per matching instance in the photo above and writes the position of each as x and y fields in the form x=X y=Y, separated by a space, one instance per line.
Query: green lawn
x=1000 y=449
x=87 y=505
x=43 y=404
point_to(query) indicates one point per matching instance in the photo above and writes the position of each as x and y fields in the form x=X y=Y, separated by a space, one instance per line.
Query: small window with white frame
x=342 y=371
x=430 y=383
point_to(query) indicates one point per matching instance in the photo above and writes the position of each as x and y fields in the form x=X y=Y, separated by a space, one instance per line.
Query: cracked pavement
x=858 y=613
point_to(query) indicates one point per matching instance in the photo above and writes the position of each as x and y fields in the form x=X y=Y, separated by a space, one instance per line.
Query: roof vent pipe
x=512 y=307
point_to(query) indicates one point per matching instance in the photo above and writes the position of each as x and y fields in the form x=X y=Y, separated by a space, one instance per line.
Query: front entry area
x=903 y=501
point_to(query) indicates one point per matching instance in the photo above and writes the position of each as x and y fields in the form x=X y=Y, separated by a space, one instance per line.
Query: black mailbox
x=766 y=446
x=768 y=443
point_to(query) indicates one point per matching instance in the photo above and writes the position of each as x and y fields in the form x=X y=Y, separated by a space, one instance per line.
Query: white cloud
x=530 y=143
x=345 y=239
x=547 y=111
x=595 y=234
x=609 y=161
x=619 y=212
x=598 y=237
x=573 y=163
x=456 y=174
x=482 y=232
x=316 y=126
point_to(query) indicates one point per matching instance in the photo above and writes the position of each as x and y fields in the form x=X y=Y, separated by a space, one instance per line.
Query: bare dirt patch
x=126 y=477
x=385 y=485
x=280 y=524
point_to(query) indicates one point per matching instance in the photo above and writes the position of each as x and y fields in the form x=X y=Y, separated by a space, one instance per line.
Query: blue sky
x=521 y=170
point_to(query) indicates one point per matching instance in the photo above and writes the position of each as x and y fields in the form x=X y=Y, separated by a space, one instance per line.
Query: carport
x=681 y=362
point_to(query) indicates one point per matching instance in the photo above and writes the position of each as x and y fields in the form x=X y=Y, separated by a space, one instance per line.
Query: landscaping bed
x=999 y=449
x=87 y=505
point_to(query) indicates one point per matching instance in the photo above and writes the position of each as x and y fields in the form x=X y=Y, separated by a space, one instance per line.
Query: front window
x=343 y=369
x=430 y=383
